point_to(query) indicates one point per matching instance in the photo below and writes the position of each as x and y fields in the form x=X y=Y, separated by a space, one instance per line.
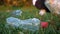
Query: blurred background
x=28 y=11
x=15 y=3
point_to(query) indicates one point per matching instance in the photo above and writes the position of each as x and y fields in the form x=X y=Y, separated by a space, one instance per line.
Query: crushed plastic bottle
x=13 y=21
x=17 y=13
x=27 y=24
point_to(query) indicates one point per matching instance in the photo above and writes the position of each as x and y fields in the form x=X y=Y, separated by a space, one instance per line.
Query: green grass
x=29 y=12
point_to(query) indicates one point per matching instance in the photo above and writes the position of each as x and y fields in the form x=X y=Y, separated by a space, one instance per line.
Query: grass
x=29 y=12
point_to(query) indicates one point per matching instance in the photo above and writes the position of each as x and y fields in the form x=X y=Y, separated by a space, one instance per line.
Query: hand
x=42 y=12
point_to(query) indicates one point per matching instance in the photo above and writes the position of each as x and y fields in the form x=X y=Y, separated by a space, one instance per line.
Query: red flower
x=44 y=24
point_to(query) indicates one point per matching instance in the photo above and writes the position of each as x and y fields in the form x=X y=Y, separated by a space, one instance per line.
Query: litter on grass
x=27 y=24
x=16 y=13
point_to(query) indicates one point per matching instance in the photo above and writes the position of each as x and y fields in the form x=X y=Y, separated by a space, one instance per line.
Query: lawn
x=29 y=12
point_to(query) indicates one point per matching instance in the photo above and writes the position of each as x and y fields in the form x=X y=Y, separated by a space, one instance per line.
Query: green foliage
x=30 y=12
